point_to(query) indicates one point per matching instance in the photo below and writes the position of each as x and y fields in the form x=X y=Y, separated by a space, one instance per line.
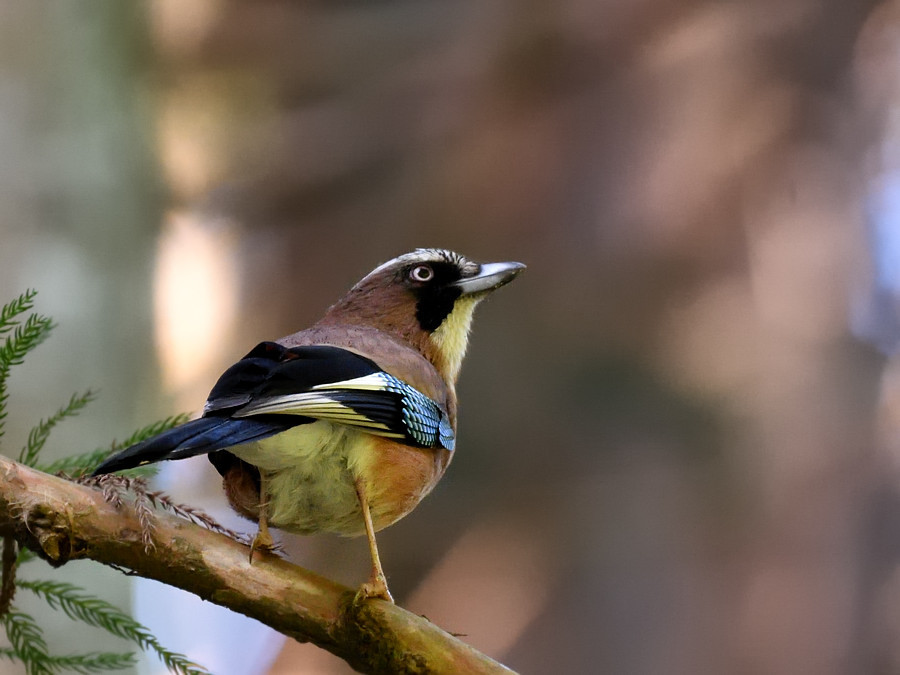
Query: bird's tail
x=197 y=437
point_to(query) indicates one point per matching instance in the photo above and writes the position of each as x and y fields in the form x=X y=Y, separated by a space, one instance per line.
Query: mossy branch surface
x=63 y=521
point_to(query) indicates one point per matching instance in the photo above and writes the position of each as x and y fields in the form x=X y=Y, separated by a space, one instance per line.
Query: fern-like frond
x=18 y=336
x=92 y=662
x=25 y=555
x=39 y=434
x=76 y=465
x=24 y=338
x=96 y=612
x=78 y=663
x=151 y=430
x=28 y=642
x=85 y=462
x=11 y=310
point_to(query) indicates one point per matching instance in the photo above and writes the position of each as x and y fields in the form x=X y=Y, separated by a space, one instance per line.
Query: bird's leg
x=376 y=586
x=263 y=540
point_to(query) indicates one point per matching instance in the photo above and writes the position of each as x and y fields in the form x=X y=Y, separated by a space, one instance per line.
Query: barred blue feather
x=424 y=420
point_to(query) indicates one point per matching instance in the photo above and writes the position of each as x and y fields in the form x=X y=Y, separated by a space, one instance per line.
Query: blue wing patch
x=423 y=418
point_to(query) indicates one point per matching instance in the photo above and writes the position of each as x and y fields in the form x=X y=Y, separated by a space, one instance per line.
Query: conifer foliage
x=21 y=330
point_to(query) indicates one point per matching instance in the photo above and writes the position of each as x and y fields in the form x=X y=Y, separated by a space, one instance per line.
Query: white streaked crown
x=425 y=255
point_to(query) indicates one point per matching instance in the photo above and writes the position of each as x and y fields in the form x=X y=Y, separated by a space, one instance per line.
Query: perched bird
x=345 y=426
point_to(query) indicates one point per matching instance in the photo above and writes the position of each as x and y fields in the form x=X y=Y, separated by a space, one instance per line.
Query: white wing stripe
x=372 y=381
x=312 y=405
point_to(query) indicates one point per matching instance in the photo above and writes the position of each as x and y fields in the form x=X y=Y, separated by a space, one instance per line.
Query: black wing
x=272 y=370
x=333 y=384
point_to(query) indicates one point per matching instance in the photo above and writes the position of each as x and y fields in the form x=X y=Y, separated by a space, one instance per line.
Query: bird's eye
x=421 y=273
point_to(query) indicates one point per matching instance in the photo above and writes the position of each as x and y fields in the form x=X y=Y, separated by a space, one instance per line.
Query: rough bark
x=64 y=521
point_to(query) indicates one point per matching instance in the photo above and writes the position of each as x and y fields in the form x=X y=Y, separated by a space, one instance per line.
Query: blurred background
x=680 y=429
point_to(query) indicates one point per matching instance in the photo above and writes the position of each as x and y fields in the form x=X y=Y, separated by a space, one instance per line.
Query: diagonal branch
x=63 y=521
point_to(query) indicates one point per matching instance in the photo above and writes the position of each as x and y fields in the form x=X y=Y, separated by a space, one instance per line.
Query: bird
x=346 y=426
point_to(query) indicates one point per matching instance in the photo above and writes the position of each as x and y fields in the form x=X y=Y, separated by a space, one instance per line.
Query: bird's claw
x=262 y=542
x=374 y=588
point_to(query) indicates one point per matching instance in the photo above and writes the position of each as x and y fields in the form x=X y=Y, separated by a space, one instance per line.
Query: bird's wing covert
x=332 y=384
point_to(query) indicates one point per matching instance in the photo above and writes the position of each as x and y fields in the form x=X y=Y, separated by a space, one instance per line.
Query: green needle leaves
x=20 y=334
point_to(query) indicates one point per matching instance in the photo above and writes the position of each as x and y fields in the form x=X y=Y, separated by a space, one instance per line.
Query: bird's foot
x=374 y=588
x=262 y=542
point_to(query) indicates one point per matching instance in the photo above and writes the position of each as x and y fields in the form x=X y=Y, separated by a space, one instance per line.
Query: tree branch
x=63 y=521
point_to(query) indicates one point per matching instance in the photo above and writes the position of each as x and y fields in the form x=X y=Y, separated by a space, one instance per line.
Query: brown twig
x=116 y=488
x=8 y=574
x=195 y=515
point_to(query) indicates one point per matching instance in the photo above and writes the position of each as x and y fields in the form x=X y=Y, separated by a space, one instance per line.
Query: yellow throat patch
x=452 y=337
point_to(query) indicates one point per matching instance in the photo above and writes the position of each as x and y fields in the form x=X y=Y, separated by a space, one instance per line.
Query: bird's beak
x=490 y=276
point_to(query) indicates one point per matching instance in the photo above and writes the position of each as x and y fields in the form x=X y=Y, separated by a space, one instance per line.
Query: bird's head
x=426 y=298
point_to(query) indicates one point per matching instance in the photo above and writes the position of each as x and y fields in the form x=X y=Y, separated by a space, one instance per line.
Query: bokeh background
x=679 y=429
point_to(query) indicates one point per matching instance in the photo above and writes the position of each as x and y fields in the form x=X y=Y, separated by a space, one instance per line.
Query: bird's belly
x=311 y=472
